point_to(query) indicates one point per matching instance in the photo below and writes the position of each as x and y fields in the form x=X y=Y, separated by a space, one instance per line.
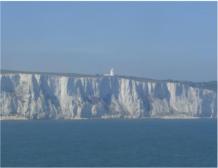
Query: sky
x=159 y=40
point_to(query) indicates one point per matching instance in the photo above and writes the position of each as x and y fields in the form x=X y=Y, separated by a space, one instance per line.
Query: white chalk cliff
x=70 y=96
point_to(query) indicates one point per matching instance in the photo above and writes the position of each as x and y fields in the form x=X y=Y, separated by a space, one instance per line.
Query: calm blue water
x=149 y=142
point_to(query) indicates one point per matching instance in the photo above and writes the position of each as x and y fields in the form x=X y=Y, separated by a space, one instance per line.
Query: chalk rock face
x=61 y=96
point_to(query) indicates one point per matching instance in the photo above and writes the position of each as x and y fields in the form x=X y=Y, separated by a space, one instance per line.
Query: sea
x=109 y=143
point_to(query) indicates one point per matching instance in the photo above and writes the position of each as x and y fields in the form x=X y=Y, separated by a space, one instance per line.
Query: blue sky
x=161 y=40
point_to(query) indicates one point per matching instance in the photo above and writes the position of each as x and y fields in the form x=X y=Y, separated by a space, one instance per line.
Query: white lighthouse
x=111 y=72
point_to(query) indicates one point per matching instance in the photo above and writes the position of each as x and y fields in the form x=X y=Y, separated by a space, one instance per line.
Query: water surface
x=149 y=142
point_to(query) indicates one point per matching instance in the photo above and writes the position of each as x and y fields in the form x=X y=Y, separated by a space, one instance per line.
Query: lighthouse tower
x=112 y=72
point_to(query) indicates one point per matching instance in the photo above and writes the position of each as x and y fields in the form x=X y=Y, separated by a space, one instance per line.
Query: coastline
x=11 y=118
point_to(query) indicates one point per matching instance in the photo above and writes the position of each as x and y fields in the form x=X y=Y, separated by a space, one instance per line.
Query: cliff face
x=40 y=96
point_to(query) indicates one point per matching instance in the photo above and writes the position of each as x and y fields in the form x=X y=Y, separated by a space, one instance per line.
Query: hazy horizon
x=157 y=40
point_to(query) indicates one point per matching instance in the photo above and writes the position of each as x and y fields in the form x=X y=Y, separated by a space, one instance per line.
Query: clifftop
x=211 y=85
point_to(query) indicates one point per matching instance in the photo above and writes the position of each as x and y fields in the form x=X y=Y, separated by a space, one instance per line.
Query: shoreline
x=12 y=118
